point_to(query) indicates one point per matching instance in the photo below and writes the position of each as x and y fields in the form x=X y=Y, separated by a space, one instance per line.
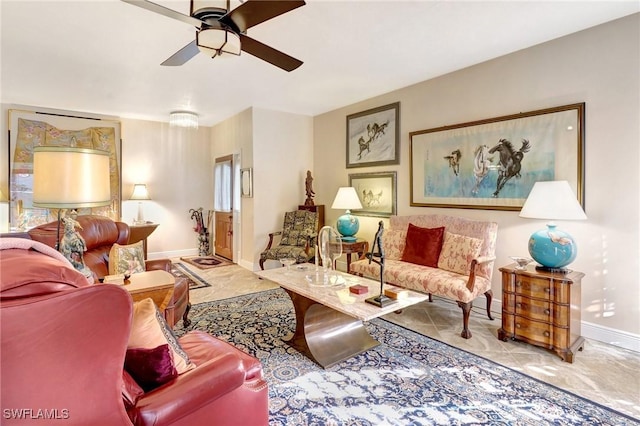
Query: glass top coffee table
x=329 y=318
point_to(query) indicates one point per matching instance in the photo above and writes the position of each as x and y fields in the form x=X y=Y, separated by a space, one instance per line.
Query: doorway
x=223 y=206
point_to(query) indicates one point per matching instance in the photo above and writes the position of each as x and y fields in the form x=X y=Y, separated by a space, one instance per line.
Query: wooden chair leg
x=262 y=264
x=489 y=296
x=430 y=297
x=466 y=310
x=186 y=322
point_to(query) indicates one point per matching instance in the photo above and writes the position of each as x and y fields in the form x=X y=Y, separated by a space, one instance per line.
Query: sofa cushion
x=150 y=368
x=423 y=245
x=393 y=242
x=457 y=253
x=424 y=279
x=149 y=330
x=129 y=258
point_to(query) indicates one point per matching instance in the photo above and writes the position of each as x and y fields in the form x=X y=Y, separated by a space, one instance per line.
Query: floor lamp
x=70 y=178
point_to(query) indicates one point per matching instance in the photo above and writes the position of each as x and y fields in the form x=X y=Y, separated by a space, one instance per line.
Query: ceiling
x=103 y=56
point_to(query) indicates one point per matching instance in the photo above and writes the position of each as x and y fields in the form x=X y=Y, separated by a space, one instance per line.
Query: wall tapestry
x=30 y=129
x=493 y=163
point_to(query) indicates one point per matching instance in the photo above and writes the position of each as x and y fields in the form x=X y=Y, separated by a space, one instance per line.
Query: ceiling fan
x=220 y=30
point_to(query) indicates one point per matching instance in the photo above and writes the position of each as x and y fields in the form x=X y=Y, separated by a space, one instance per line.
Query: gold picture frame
x=492 y=164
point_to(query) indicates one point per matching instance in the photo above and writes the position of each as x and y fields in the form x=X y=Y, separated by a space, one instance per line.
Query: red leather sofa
x=100 y=234
x=63 y=345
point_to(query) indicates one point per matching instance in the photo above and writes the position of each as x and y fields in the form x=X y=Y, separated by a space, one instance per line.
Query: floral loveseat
x=460 y=253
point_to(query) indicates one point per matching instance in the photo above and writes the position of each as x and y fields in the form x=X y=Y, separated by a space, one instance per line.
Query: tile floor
x=603 y=373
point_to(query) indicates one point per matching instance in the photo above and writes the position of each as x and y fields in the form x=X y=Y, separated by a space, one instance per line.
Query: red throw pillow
x=150 y=368
x=423 y=245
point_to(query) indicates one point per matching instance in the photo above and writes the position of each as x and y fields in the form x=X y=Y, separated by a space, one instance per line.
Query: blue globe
x=552 y=248
x=348 y=226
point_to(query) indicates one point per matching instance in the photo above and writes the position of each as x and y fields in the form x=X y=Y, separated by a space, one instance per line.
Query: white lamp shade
x=346 y=198
x=140 y=192
x=69 y=177
x=552 y=200
x=214 y=41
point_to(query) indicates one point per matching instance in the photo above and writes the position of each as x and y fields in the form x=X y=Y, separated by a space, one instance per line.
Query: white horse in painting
x=481 y=165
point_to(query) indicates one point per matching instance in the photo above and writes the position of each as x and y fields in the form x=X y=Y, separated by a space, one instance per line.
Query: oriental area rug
x=195 y=281
x=206 y=262
x=409 y=379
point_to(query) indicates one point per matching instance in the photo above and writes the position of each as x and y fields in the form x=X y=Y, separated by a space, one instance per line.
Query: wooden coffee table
x=329 y=318
x=158 y=285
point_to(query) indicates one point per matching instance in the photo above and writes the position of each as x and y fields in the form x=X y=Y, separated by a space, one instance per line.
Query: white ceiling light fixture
x=183 y=119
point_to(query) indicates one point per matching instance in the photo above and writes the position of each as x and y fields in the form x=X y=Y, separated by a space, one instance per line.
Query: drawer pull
x=547 y=311
x=518 y=305
x=547 y=290
x=518 y=283
x=546 y=334
x=518 y=325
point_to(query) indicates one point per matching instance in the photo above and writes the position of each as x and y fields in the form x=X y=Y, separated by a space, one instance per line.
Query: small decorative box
x=359 y=289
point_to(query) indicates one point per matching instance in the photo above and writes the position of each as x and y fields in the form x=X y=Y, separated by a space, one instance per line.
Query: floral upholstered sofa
x=448 y=256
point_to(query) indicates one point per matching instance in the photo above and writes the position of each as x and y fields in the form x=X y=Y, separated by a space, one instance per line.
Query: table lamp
x=347 y=224
x=140 y=193
x=552 y=248
x=70 y=178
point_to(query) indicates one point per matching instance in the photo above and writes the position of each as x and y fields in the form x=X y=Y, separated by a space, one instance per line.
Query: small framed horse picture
x=377 y=193
x=493 y=163
x=373 y=137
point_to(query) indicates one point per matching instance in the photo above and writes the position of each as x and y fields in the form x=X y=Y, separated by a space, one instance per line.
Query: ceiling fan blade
x=268 y=54
x=170 y=13
x=182 y=55
x=254 y=12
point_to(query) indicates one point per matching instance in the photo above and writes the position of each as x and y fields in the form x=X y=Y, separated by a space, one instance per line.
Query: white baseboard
x=246 y=265
x=172 y=254
x=611 y=336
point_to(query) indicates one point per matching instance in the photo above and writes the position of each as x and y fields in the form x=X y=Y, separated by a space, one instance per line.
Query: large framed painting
x=377 y=193
x=373 y=137
x=493 y=163
x=28 y=129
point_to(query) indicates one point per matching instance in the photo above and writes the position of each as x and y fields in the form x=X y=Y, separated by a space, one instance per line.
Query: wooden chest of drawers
x=542 y=308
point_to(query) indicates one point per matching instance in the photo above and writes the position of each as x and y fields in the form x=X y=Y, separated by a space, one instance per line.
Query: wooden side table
x=542 y=308
x=156 y=284
x=141 y=233
x=359 y=246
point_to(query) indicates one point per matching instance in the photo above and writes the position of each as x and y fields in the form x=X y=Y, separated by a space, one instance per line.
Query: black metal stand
x=381 y=300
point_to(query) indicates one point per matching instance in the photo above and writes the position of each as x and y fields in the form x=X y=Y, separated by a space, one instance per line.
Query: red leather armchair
x=63 y=345
x=100 y=234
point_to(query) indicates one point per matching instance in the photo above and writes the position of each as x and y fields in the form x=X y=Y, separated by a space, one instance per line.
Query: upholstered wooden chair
x=297 y=238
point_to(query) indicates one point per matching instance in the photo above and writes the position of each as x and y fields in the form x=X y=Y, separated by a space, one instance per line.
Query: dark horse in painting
x=510 y=161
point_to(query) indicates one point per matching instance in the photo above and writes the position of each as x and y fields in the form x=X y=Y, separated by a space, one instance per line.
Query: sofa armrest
x=190 y=391
x=472 y=269
x=155 y=264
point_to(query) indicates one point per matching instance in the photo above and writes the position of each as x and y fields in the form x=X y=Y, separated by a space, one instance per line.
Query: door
x=223 y=206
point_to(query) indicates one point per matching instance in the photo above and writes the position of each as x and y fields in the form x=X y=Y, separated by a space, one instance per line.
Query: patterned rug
x=409 y=379
x=206 y=262
x=195 y=281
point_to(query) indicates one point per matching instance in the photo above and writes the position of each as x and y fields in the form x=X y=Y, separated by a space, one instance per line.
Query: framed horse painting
x=373 y=137
x=377 y=193
x=493 y=163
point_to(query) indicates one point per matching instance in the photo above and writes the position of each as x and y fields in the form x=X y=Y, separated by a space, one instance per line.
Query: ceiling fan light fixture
x=209 y=9
x=183 y=119
x=216 y=41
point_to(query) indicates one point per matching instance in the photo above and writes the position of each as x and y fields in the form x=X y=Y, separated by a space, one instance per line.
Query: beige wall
x=599 y=66
x=278 y=146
